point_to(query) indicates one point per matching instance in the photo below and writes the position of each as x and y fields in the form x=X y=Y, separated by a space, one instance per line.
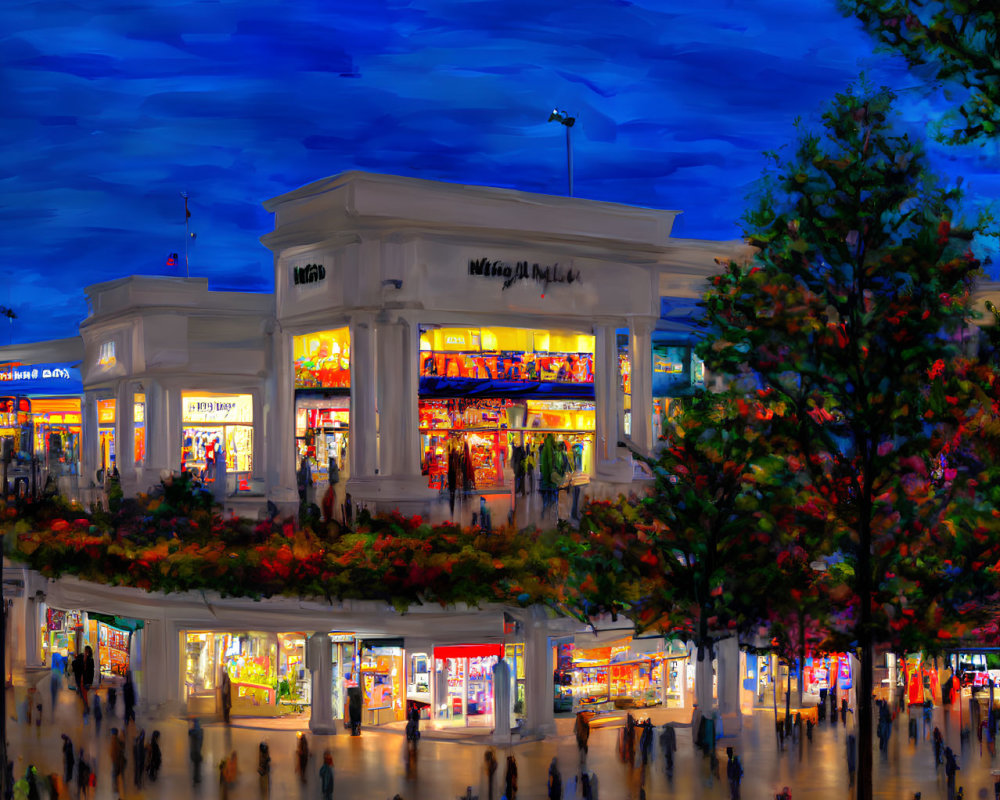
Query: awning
x=438 y=387
x=469 y=651
x=389 y=641
x=591 y=639
x=122 y=623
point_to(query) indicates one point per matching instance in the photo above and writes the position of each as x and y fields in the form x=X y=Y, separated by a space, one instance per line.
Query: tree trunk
x=703 y=681
x=802 y=654
x=865 y=648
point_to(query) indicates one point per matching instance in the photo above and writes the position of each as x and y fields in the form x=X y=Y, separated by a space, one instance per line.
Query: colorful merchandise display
x=323 y=359
x=217 y=426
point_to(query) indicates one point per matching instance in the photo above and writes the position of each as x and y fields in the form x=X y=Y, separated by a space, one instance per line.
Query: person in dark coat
x=69 y=760
x=950 y=768
x=734 y=774
x=668 y=743
x=83 y=774
x=128 y=698
x=301 y=755
x=139 y=754
x=555 y=781
x=226 y=692
x=852 y=757
x=510 y=778
x=582 y=730
x=154 y=759
x=646 y=741
x=77 y=669
x=88 y=669
x=354 y=710
x=196 y=737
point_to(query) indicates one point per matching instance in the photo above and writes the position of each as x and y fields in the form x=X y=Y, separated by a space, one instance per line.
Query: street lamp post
x=567 y=121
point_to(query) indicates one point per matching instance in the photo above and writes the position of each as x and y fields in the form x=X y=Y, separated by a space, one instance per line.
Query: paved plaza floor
x=375 y=765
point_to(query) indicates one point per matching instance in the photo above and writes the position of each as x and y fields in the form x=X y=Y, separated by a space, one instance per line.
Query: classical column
x=397 y=399
x=32 y=654
x=157 y=436
x=320 y=659
x=363 y=397
x=90 y=444
x=640 y=348
x=606 y=393
x=539 y=686
x=280 y=422
x=125 y=435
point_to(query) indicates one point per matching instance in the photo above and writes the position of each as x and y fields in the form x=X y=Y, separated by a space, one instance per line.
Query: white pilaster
x=363 y=398
x=728 y=660
x=539 y=686
x=320 y=659
x=640 y=348
x=90 y=446
x=157 y=434
x=125 y=436
x=280 y=422
x=606 y=392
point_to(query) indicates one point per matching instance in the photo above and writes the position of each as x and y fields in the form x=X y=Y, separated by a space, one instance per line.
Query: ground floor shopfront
x=290 y=656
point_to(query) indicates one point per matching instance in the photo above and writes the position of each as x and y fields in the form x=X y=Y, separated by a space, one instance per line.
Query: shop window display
x=106 y=412
x=323 y=359
x=57 y=433
x=615 y=677
x=113 y=645
x=382 y=683
x=217 y=426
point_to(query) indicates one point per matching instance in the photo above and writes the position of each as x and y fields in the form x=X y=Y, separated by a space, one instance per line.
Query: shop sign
x=106 y=411
x=310 y=273
x=59 y=377
x=510 y=274
x=232 y=409
x=341 y=638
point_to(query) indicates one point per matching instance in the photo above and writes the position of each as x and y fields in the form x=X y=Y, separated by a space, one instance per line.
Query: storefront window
x=113 y=649
x=294 y=686
x=199 y=664
x=139 y=420
x=466 y=673
x=106 y=411
x=323 y=359
x=251 y=661
x=507 y=354
x=382 y=683
x=57 y=433
x=217 y=426
x=616 y=677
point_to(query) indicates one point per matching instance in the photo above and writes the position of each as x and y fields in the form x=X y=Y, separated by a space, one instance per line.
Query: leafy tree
x=686 y=559
x=858 y=290
x=955 y=41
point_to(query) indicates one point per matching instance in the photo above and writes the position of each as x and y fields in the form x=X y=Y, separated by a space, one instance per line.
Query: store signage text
x=310 y=273
x=522 y=271
x=233 y=409
x=19 y=372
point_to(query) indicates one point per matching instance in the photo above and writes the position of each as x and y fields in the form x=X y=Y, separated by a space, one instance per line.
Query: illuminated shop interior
x=323 y=401
x=485 y=391
x=214 y=423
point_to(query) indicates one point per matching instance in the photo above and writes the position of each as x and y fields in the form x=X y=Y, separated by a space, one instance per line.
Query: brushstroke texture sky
x=113 y=108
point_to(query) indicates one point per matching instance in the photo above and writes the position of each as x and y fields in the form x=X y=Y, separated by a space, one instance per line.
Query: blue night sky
x=112 y=109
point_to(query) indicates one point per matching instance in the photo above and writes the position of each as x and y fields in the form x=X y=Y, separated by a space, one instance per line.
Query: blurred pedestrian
x=938 y=740
x=950 y=768
x=139 y=754
x=554 y=781
x=154 y=756
x=510 y=778
x=852 y=757
x=55 y=680
x=646 y=741
x=88 y=670
x=69 y=760
x=668 y=744
x=117 y=752
x=84 y=776
x=326 y=776
x=582 y=730
x=196 y=737
x=264 y=769
x=490 y=765
x=128 y=698
x=302 y=755
x=734 y=773
x=226 y=690
x=98 y=714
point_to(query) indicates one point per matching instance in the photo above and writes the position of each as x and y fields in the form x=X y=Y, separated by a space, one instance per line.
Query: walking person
x=668 y=744
x=734 y=773
x=128 y=698
x=139 y=754
x=950 y=768
x=55 y=680
x=326 y=776
x=196 y=738
x=582 y=730
x=69 y=760
x=646 y=741
x=302 y=756
x=510 y=778
x=77 y=669
x=555 y=781
x=84 y=776
x=264 y=770
x=227 y=774
x=226 y=690
x=88 y=670
x=117 y=751
x=154 y=757
x=98 y=714
x=489 y=770
x=938 y=740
